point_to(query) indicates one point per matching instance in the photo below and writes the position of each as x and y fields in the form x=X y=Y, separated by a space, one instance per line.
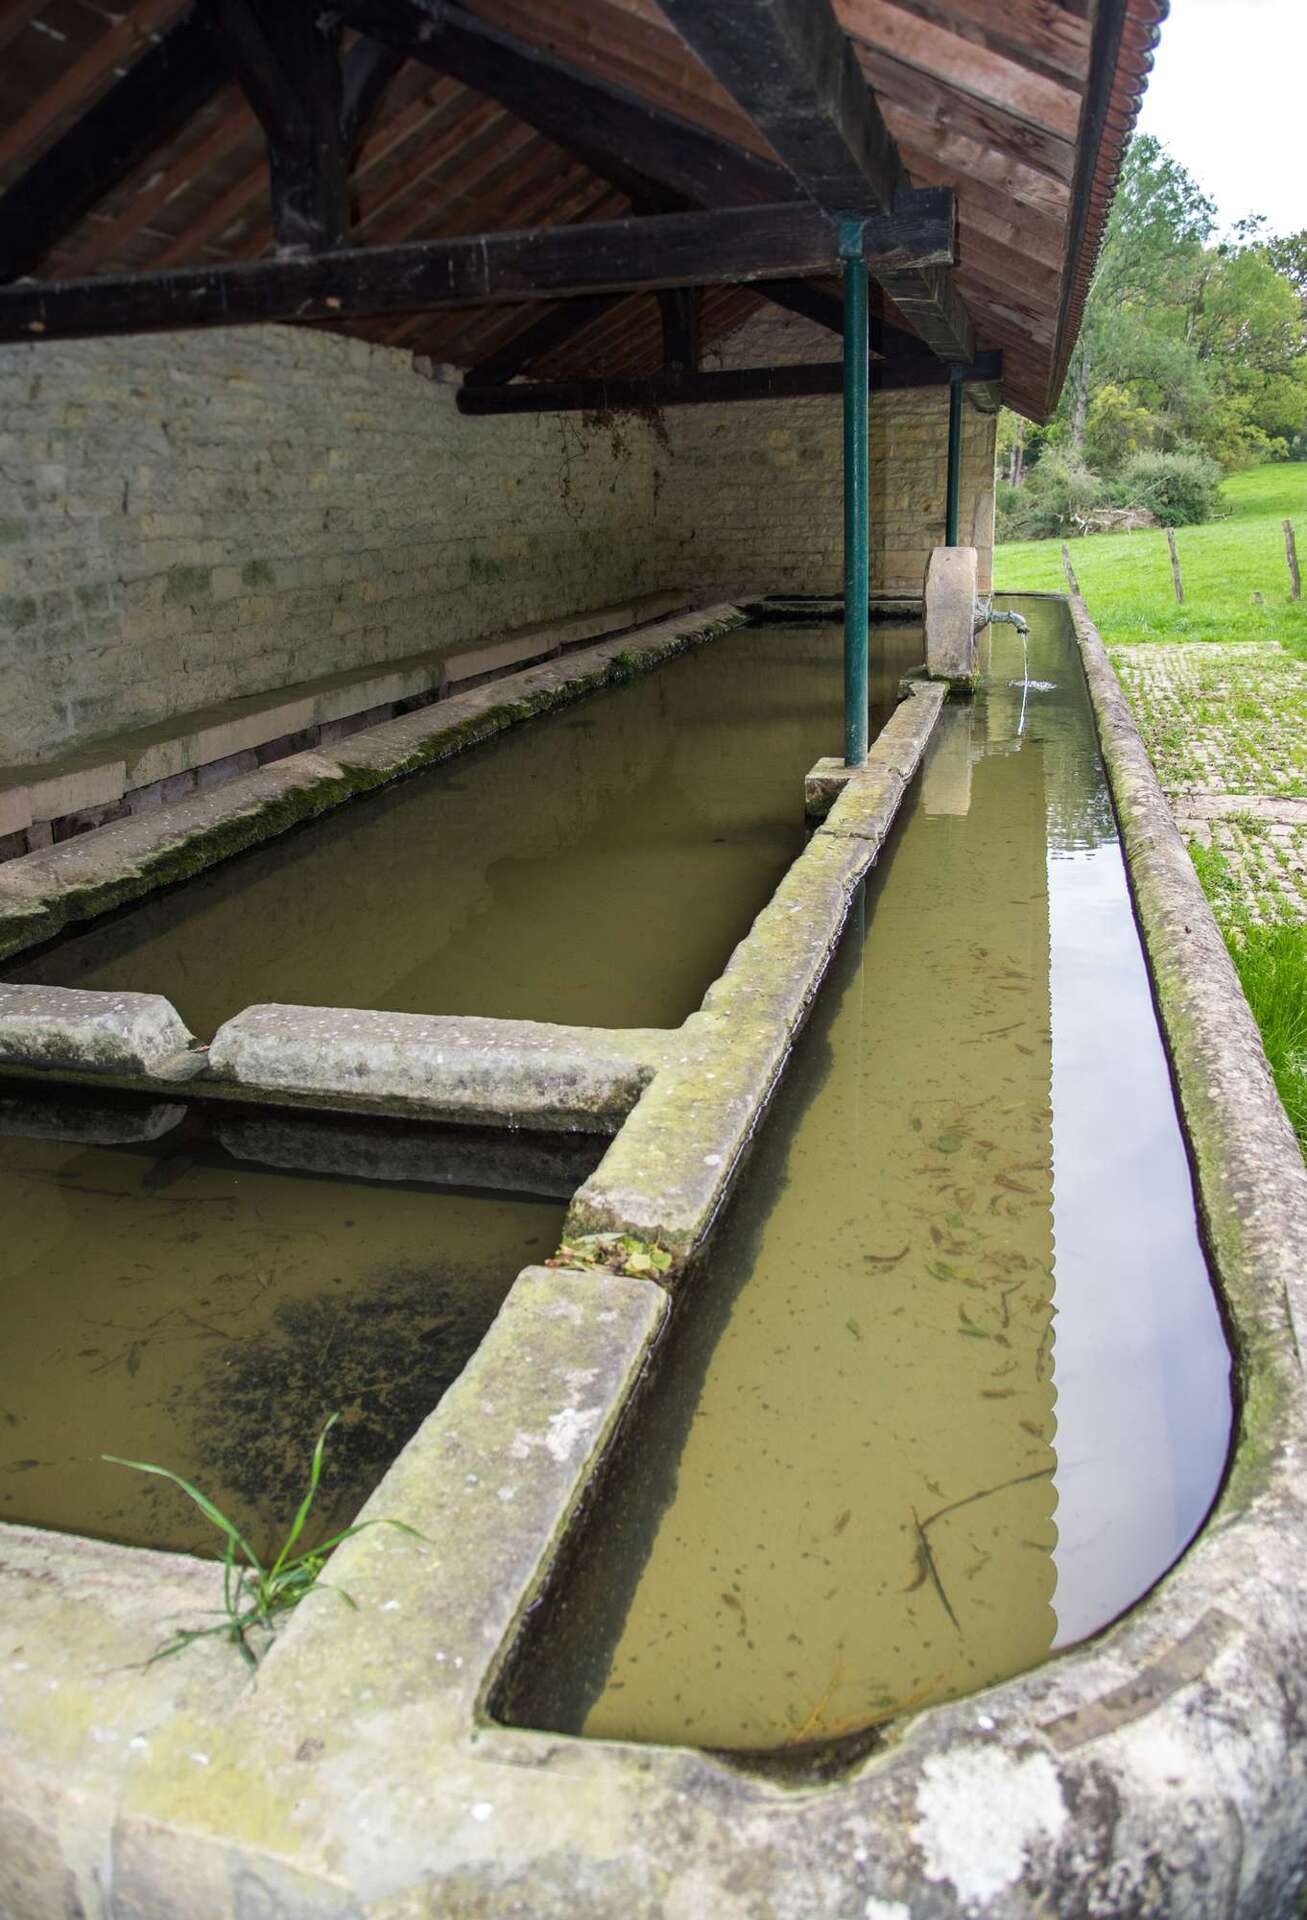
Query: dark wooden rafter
x=151 y=102
x=685 y=387
x=287 y=60
x=548 y=263
x=638 y=147
x=790 y=67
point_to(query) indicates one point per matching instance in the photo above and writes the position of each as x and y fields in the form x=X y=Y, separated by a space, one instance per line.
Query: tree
x=1186 y=343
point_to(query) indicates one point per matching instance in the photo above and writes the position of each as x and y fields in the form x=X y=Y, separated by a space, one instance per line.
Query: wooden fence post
x=1291 y=554
x=1175 y=567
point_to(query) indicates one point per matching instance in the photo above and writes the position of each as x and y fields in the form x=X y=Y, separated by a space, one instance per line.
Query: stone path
x=1226 y=728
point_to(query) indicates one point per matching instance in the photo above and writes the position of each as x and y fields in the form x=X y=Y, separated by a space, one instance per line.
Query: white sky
x=1226 y=96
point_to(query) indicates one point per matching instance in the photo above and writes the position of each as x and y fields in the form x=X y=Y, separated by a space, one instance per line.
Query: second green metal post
x=954 y=462
x=855 y=495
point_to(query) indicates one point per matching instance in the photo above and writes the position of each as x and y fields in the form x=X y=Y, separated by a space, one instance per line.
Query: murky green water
x=175 y=1290
x=952 y=1388
x=596 y=866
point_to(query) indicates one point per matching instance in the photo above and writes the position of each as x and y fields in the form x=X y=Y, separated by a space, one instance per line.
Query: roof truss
x=549 y=263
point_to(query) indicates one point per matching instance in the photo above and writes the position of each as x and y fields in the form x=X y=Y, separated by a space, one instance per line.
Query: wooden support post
x=288 y=63
x=1175 y=567
x=679 y=311
x=1291 y=555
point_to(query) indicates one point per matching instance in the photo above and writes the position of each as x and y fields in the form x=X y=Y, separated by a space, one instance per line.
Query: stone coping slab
x=668 y=1170
x=43 y=893
x=516 y=1073
x=1157 y=1771
x=47 y=1029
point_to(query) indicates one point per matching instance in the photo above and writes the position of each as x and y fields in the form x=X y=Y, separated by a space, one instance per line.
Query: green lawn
x=1126 y=580
x=1126 y=577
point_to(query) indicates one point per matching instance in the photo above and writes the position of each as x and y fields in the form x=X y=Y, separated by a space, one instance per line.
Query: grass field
x=1126 y=580
x=1126 y=577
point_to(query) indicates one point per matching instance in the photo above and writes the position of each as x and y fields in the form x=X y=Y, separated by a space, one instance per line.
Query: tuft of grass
x=256 y=1597
x=1271 y=962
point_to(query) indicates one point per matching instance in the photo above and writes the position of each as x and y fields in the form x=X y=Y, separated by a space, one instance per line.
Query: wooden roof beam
x=490 y=269
x=685 y=388
x=791 y=68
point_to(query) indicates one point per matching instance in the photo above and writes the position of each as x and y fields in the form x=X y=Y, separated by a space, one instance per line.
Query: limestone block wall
x=188 y=518
x=754 y=493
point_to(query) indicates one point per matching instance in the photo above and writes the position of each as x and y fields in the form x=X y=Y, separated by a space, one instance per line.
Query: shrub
x=1058 y=493
x=1179 y=488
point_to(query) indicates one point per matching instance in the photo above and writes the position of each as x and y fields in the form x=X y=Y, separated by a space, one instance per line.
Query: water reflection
x=838 y=1499
x=597 y=866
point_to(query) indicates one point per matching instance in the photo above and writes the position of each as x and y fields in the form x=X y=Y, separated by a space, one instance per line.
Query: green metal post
x=954 y=462
x=855 y=493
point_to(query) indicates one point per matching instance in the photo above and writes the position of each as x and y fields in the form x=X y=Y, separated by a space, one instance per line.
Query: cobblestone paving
x=1226 y=727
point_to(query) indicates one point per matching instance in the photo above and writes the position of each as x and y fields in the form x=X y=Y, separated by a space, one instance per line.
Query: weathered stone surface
x=52 y=1027
x=519 y=1073
x=950 y=615
x=823 y=784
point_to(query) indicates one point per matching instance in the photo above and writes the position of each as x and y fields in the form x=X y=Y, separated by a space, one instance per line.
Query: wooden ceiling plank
x=1051 y=105
x=102 y=240
x=643 y=55
x=991 y=211
x=1041 y=34
x=542 y=337
x=964 y=158
x=789 y=66
x=615 y=132
x=16 y=19
x=940 y=105
x=176 y=75
x=120 y=45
